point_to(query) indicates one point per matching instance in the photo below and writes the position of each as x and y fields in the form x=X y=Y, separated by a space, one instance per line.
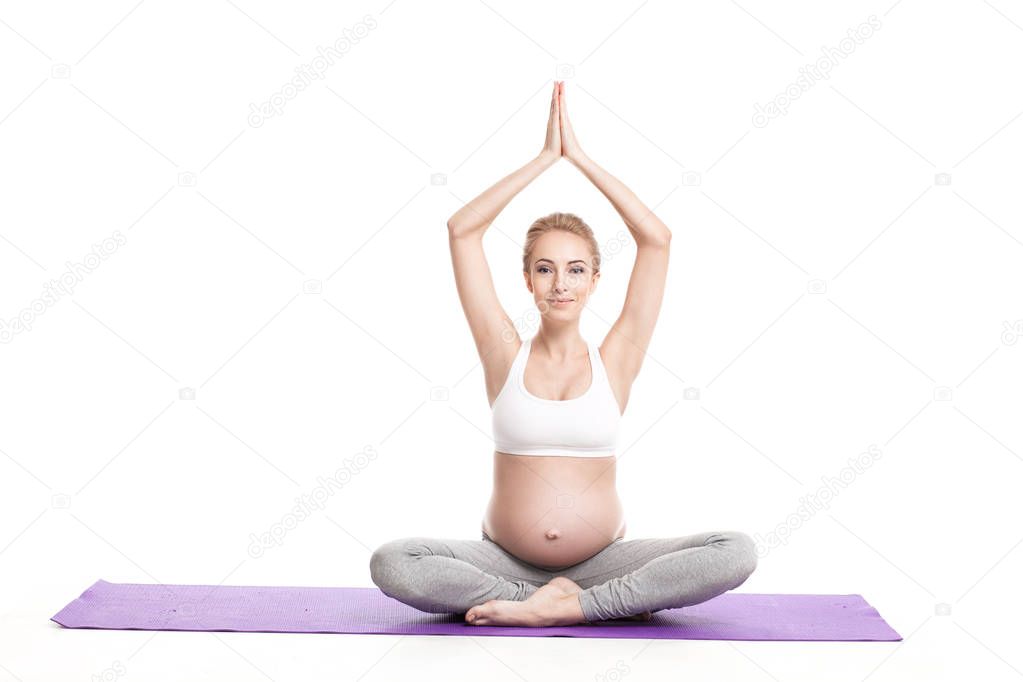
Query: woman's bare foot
x=553 y=604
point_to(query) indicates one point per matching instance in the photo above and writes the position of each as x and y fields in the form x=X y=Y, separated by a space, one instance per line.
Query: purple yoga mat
x=367 y=610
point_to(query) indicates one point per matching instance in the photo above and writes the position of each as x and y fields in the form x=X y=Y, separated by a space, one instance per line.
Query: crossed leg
x=441 y=575
x=628 y=578
x=646 y=575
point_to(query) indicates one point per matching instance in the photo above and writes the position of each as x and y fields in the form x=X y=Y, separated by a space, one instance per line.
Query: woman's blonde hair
x=567 y=222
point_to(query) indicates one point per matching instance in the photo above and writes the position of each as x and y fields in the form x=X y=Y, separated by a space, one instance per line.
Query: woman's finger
x=563 y=110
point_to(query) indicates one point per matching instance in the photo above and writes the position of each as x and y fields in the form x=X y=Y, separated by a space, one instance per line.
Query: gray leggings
x=625 y=578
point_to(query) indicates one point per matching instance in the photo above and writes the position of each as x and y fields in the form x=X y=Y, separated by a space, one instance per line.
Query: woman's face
x=561 y=278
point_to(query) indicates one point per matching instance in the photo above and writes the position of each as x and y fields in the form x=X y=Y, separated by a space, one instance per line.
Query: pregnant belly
x=554 y=512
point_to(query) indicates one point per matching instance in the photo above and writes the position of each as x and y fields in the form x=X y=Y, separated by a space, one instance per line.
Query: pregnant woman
x=552 y=550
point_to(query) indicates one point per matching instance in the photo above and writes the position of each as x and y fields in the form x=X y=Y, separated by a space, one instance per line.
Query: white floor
x=935 y=647
x=35 y=650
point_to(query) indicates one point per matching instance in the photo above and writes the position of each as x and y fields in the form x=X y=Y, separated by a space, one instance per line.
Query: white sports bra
x=586 y=426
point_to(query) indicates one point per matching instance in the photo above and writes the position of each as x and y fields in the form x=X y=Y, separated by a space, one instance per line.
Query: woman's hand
x=552 y=147
x=569 y=145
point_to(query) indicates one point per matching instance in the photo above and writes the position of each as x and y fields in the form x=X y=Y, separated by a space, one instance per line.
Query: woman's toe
x=478 y=614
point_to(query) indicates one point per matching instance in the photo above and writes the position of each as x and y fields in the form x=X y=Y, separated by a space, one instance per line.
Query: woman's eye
x=576 y=269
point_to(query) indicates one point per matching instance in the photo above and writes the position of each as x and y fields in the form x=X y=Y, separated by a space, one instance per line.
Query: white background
x=134 y=119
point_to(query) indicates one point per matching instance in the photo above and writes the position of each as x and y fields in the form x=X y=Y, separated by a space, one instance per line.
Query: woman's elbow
x=461 y=228
x=661 y=240
x=455 y=226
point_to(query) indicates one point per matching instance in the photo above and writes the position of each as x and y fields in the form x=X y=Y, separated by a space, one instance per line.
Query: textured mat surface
x=367 y=610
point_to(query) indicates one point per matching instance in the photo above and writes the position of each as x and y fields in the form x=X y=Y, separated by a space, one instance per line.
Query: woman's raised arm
x=630 y=335
x=494 y=333
x=646 y=227
x=477 y=215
